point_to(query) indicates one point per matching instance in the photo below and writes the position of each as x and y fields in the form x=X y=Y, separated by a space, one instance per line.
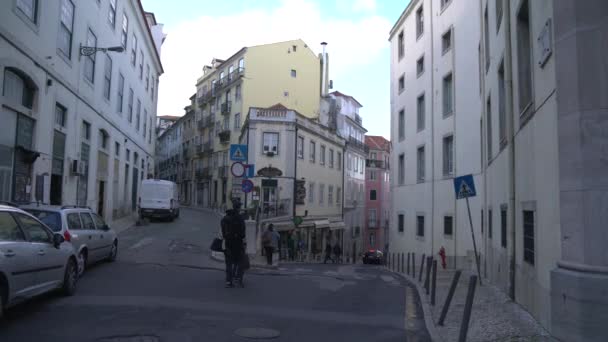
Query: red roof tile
x=377 y=142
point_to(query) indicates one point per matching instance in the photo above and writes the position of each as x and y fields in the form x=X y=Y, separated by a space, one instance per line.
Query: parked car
x=373 y=256
x=92 y=238
x=33 y=259
x=158 y=199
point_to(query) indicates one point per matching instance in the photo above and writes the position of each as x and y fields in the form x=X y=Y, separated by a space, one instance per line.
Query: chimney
x=324 y=71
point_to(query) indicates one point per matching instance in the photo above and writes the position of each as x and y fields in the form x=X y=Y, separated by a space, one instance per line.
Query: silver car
x=33 y=260
x=92 y=238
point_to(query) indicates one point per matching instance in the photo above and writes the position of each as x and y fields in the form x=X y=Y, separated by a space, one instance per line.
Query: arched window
x=18 y=88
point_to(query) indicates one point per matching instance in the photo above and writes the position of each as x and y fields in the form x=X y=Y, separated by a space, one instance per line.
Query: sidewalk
x=124 y=223
x=494 y=317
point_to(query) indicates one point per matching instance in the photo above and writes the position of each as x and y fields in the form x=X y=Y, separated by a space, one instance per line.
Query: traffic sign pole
x=474 y=244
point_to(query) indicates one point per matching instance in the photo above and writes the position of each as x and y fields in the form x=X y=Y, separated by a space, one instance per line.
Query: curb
x=426 y=306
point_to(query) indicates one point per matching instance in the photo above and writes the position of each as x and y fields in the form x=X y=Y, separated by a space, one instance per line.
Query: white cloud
x=364 y=5
x=353 y=44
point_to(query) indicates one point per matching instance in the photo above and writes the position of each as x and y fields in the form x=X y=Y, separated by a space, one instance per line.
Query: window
x=338 y=195
x=89 y=61
x=60 y=115
x=312 y=151
x=421 y=161
x=311 y=193
x=66 y=28
x=448 y=222
x=146 y=122
x=29 y=8
x=356 y=161
x=141 y=65
x=152 y=88
x=489 y=128
x=86 y=130
x=98 y=221
x=293 y=73
x=34 y=229
x=400 y=45
x=103 y=139
x=330 y=195
x=502 y=112
x=420 y=225
x=107 y=78
x=372 y=195
x=87 y=221
x=138 y=115
x=331 y=158
x=446 y=41
x=74 y=222
x=444 y=3
x=241 y=64
x=237 y=121
x=420 y=112
x=400 y=223
x=490 y=224
x=117 y=149
x=401 y=169
x=112 y=13
x=121 y=91
x=301 y=147
x=124 y=32
x=339 y=160
x=448 y=93
x=322 y=155
x=147 y=77
x=498 y=14
x=524 y=58
x=271 y=142
x=486 y=34
x=134 y=50
x=529 y=236
x=419 y=22
x=372 y=175
x=448 y=155
x=503 y=228
x=321 y=194
x=372 y=219
x=9 y=230
x=420 y=66
x=18 y=89
x=130 y=106
x=401 y=83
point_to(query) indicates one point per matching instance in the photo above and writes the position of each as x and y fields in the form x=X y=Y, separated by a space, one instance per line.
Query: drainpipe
x=454 y=142
x=483 y=138
x=511 y=141
x=432 y=144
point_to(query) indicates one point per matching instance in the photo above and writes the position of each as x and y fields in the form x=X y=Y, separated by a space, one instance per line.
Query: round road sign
x=237 y=169
x=247 y=185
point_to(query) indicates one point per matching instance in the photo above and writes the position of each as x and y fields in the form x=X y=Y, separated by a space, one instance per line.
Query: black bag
x=245 y=264
x=216 y=245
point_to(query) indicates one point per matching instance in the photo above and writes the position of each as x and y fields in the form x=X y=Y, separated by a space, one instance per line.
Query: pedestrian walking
x=233 y=234
x=291 y=246
x=270 y=242
x=327 y=253
x=301 y=249
x=337 y=252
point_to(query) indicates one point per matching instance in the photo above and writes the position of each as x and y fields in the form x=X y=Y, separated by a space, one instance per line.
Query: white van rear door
x=156 y=196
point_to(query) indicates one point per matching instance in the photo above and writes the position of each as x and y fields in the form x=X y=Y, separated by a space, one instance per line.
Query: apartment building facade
x=435 y=129
x=544 y=109
x=98 y=141
x=377 y=193
x=256 y=76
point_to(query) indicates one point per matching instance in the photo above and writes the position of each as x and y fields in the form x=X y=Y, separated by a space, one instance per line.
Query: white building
x=435 y=123
x=78 y=126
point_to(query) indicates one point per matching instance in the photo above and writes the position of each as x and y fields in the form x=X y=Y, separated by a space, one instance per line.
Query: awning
x=322 y=224
x=337 y=225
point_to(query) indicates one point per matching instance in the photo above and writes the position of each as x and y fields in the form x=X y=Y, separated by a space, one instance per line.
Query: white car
x=92 y=238
x=33 y=260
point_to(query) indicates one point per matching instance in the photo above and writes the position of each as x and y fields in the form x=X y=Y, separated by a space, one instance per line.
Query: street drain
x=257 y=333
x=131 y=338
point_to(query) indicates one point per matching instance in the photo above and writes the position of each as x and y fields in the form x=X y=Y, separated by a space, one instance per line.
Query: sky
x=356 y=32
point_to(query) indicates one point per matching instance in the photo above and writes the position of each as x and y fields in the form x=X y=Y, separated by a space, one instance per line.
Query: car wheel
x=83 y=257
x=113 y=252
x=70 y=278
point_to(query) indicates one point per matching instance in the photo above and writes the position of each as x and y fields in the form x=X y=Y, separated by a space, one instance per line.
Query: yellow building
x=257 y=76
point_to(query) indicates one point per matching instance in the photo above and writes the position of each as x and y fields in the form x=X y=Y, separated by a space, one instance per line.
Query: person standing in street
x=327 y=253
x=337 y=253
x=233 y=234
x=270 y=242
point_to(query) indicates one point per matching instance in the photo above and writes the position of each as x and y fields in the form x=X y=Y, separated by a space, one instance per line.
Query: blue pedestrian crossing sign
x=464 y=186
x=238 y=152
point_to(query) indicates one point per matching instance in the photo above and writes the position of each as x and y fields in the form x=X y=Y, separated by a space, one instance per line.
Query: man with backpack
x=233 y=233
x=270 y=242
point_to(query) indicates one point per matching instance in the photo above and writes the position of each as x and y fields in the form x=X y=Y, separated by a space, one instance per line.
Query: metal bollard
x=427 y=280
x=448 y=299
x=421 y=269
x=468 y=305
x=434 y=282
x=408 y=264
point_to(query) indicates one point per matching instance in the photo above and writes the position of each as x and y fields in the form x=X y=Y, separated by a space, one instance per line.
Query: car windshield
x=50 y=218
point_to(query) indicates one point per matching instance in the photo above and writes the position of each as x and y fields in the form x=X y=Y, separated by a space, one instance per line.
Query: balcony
x=209 y=120
x=374 y=163
x=225 y=136
x=200 y=124
x=358 y=119
x=275 y=209
x=203 y=173
x=226 y=107
x=373 y=224
x=222 y=172
x=357 y=144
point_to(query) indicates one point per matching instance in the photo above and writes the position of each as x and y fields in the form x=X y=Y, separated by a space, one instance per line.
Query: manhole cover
x=257 y=333
x=131 y=338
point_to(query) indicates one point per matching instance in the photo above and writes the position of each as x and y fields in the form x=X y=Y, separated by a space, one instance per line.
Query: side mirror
x=58 y=239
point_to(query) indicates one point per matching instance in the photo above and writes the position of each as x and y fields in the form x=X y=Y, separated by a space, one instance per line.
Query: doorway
x=101 y=198
x=134 y=190
x=56 y=189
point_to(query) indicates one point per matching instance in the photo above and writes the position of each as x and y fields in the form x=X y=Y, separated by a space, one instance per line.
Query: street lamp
x=90 y=50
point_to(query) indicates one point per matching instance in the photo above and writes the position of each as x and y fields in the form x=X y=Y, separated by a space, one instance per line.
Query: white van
x=158 y=199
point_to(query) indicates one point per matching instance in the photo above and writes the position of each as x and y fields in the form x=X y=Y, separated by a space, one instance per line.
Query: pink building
x=377 y=187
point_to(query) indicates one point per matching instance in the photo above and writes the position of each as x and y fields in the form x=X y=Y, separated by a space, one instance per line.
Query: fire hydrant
x=442 y=255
